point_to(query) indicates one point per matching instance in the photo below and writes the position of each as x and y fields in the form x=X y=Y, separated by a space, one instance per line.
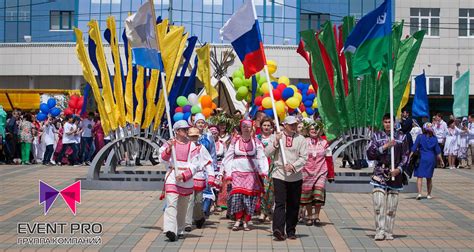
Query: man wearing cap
x=287 y=178
x=179 y=179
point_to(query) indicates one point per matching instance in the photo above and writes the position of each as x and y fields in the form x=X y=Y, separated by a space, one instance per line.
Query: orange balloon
x=206 y=112
x=214 y=106
x=206 y=101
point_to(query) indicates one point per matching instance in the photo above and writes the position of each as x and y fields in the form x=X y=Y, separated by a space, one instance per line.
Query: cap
x=181 y=124
x=193 y=132
x=290 y=120
x=198 y=117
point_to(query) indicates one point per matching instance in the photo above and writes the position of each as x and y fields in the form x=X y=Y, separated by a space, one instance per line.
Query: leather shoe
x=278 y=235
x=171 y=236
x=292 y=237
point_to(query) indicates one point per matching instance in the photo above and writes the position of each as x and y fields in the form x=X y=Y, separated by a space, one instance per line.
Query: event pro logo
x=70 y=194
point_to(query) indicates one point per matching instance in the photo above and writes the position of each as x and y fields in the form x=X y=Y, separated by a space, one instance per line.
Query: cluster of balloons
x=243 y=86
x=193 y=105
x=74 y=105
x=48 y=108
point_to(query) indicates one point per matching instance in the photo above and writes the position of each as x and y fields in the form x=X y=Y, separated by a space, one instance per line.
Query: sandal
x=317 y=222
x=246 y=226
x=236 y=226
x=309 y=222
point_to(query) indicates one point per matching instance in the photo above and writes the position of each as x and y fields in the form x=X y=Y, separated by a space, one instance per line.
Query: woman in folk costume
x=245 y=163
x=200 y=158
x=319 y=167
x=221 y=148
x=267 y=200
x=179 y=183
x=226 y=186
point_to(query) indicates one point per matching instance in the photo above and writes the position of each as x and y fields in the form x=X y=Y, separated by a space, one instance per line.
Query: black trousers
x=287 y=205
x=48 y=154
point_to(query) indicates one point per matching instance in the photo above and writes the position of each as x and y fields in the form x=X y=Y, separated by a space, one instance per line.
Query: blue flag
x=420 y=107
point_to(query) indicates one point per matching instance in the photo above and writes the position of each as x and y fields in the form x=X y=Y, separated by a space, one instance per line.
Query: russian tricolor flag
x=243 y=32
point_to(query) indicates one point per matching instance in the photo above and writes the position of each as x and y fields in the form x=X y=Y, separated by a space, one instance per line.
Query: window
x=466 y=22
x=60 y=20
x=313 y=21
x=425 y=19
x=434 y=85
x=448 y=85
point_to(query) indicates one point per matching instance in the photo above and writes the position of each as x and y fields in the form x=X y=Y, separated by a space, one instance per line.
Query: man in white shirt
x=48 y=138
x=470 y=151
x=87 y=147
x=440 y=129
x=69 y=141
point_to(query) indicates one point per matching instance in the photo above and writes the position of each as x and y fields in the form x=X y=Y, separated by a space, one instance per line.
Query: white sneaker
x=52 y=162
x=452 y=168
x=429 y=197
x=418 y=197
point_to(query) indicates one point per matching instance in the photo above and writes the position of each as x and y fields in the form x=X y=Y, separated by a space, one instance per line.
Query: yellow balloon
x=272 y=66
x=304 y=114
x=282 y=117
x=292 y=102
x=284 y=80
x=298 y=96
x=315 y=104
x=264 y=88
x=280 y=107
x=267 y=102
x=294 y=88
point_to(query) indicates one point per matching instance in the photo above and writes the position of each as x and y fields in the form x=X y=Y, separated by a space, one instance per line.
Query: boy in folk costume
x=202 y=160
x=245 y=163
x=179 y=182
x=386 y=189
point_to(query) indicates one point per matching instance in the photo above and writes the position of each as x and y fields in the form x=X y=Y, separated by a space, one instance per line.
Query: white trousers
x=175 y=213
x=194 y=210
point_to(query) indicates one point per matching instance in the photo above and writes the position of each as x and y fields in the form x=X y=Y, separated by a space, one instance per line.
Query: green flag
x=351 y=98
x=327 y=108
x=461 y=95
x=329 y=41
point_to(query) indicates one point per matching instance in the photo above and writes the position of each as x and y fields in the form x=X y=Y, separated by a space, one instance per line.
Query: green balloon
x=261 y=80
x=238 y=82
x=241 y=68
x=248 y=83
x=242 y=91
x=195 y=109
x=257 y=76
x=238 y=74
x=182 y=101
x=238 y=97
x=248 y=98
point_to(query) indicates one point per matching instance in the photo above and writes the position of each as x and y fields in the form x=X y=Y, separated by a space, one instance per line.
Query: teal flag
x=461 y=95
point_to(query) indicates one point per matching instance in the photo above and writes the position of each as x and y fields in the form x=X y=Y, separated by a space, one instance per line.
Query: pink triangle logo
x=72 y=195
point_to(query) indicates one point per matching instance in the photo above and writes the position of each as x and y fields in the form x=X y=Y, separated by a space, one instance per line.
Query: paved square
x=132 y=221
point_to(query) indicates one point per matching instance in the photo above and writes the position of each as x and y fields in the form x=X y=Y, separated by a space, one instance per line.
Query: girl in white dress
x=451 y=145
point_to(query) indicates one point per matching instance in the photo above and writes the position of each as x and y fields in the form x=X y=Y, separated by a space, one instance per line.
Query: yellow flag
x=204 y=70
x=90 y=78
x=171 y=47
x=129 y=87
x=150 y=98
x=110 y=107
x=139 y=87
x=405 y=97
x=118 y=90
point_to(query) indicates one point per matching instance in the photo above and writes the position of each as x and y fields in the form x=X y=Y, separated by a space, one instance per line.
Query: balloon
x=238 y=82
x=181 y=101
x=308 y=103
x=272 y=66
x=287 y=93
x=274 y=84
x=55 y=112
x=178 y=116
x=269 y=112
x=311 y=97
x=44 y=108
x=298 y=96
x=281 y=87
x=80 y=103
x=242 y=91
x=41 y=116
x=206 y=101
x=276 y=94
x=187 y=109
x=262 y=80
x=284 y=80
x=267 y=102
x=311 y=90
x=257 y=76
x=193 y=99
x=315 y=104
x=295 y=89
x=264 y=88
x=239 y=98
x=68 y=111
x=302 y=108
x=186 y=115
x=238 y=74
x=51 y=103
x=280 y=107
x=309 y=111
x=258 y=100
x=195 y=109
x=304 y=114
x=178 y=110
x=207 y=112
x=292 y=102
x=247 y=83
x=214 y=106
x=248 y=98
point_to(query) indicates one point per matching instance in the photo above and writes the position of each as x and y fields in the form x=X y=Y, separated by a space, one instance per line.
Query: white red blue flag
x=243 y=32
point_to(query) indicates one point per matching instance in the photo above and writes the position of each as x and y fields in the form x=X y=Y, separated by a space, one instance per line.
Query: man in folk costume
x=202 y=160
x=386 y=189
x=287 y=178
x=245 y=163
x=179 y=182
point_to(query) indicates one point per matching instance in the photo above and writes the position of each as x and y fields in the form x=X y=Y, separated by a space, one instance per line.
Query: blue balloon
x=186 y=115
x=186 y=109
x=287 y=93
x=308 y=104
x=269 y=112
x=178 y=116
x=311 y=97
x=274 y=84
x=309 y=111
x=41 y=116
x=51 y=103
x=55 y=112
x=44 y=108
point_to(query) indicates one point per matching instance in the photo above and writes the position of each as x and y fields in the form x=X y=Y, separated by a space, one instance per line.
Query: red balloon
x=67 y=111
x=258 y=100
x=72 y=103
x=80 y=103
x=260 y=108
x=302 y=108
x=310 y=91
x=281 y=87
x=290 y=110
x=276 y=94
x=266 y=95
x=178 y=110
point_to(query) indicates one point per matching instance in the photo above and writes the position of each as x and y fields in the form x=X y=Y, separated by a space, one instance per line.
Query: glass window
x=435 y=85
x=425 y=19
x=11 y=10
x=54 y=20
x=448 y=85
x=60 y=20
x=65 y=20
x=24 y=10
x=466 y=22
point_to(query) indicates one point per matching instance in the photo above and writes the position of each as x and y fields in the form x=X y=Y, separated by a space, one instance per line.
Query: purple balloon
x=187 y=108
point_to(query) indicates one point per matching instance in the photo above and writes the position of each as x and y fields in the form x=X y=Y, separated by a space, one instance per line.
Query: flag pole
x=392 y=150
x=277 y=123
x=165 y=92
